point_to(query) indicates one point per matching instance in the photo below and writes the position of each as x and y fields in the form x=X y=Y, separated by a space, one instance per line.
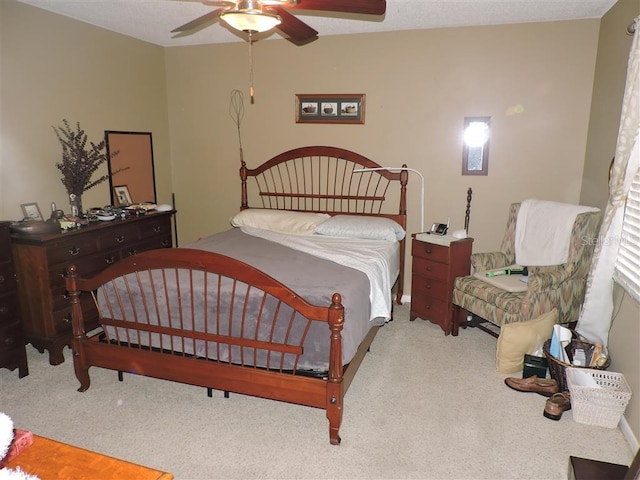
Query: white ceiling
x=153 y=20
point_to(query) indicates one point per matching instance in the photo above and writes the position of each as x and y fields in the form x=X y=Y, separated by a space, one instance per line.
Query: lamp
x=407 y=169
x=249 y=17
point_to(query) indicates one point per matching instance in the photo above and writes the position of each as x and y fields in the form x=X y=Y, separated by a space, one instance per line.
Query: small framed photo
x=330 y=108
x=31 y=211
x=122 y=196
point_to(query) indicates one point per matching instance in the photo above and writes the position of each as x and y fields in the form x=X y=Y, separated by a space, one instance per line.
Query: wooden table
x=49 y=459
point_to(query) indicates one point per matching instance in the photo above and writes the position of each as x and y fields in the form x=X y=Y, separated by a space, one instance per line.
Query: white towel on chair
x=543 y=231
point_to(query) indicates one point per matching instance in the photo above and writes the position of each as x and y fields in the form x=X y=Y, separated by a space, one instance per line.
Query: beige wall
x=75 y=71
x=417 y=95
x=535 y=80
x=609 y=83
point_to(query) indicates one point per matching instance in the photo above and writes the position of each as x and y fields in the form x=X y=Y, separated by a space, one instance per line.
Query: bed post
x=404 y=179
x=243 y=184
x=77 y=323
x=334 y=383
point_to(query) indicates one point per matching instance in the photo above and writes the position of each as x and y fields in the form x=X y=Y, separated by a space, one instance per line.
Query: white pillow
x=362 y=226
x=282 y=221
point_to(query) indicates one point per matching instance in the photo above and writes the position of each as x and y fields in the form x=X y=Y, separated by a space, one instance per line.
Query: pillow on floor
x=518 y=338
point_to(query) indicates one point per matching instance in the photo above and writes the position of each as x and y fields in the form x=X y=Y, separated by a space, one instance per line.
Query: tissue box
x=534 y=366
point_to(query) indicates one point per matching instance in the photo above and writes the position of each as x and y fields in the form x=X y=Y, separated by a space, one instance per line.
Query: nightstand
x=436 y=261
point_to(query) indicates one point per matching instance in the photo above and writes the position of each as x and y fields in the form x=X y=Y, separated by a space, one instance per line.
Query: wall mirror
x=135 y=154
x=475 y=152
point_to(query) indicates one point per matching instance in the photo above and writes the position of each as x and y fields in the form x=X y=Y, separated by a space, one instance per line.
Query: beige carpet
x=422 y=406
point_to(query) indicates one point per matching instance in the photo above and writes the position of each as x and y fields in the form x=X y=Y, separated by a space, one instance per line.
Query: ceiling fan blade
x=368 y=7
x=207 y=17
x=293 y=27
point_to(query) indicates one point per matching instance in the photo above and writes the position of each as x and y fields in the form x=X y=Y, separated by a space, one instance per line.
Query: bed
x=263 y=311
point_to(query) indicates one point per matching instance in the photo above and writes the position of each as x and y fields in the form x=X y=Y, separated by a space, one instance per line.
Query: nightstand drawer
x=431 y=251
x=430 y=308
x=428 y=286
x=429 y=268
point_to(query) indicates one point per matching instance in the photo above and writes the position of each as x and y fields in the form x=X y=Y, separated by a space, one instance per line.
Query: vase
x=75 y=200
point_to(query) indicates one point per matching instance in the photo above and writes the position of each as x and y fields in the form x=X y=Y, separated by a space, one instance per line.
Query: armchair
x=560 y=286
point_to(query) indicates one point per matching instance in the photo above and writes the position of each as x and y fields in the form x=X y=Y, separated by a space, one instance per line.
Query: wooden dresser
x=42 y=261
x=12 y=351
x=436 y=262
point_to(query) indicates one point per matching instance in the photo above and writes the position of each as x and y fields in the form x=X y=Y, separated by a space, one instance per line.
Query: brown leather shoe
x=543 y=386
x=556 y=405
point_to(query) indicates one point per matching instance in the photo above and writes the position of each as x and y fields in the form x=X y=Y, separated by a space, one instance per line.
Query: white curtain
x=596 y=315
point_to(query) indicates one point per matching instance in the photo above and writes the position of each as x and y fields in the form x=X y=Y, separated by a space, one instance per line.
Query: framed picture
x=330 y=108
x=31 y=211
x=121 y=196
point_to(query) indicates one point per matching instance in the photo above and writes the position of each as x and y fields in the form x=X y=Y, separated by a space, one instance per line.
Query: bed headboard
x=322 y=179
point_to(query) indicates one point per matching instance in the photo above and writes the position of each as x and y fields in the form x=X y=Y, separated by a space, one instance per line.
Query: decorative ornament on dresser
x=80 y=160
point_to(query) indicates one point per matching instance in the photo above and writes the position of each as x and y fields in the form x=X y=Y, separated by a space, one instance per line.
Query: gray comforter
x=312 y=278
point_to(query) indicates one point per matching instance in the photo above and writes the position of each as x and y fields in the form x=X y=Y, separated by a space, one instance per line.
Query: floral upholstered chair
x=560 y=286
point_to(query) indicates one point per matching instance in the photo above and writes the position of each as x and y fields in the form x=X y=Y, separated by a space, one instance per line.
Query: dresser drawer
x=7 y=278
x=429 y=268
x=437 y=253
x=5 y=243
x=158 y=226
x=162 y=241
x=429 y=286
x=11 y=341
x=430 y=308
x=86 y=266
x=62 y=317
x=119 y=236
x=9 y=309
x=70 y=249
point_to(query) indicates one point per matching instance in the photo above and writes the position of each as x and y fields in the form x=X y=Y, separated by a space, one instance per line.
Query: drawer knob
x=428 y=269
x=132 y=252
x=74 y=250
x=4 y=310
x=428 y=286
x=110 y=259
x=2 y=280
x=120 y=238
x=429 y=251
x=67 y=318
x=156 y=228
x=164 y=243
x=9 y=341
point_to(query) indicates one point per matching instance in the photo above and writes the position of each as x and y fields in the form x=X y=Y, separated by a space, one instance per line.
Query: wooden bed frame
x=311 y=179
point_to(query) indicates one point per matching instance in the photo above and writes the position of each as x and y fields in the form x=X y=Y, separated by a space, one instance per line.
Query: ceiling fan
x=255 y=16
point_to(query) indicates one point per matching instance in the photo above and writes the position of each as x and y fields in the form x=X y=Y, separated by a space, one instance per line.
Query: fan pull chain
x=251 y=66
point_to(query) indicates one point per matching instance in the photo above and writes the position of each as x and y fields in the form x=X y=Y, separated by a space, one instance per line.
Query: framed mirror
x=135 y=155
x=475 y=150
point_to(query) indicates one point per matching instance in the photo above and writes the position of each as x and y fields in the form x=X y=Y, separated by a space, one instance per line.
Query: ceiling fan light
x=251 y=21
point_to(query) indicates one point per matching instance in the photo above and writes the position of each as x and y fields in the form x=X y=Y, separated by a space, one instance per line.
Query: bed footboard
x=208 y=320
